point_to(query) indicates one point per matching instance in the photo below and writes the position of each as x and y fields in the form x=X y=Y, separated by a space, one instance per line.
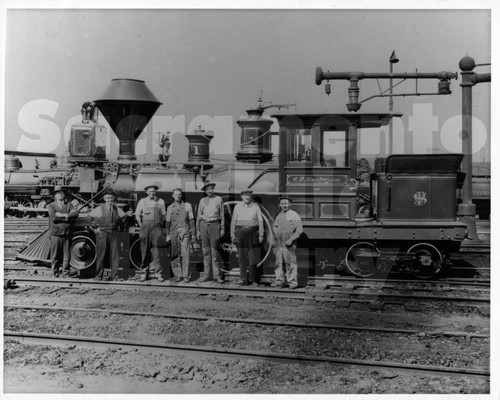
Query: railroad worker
x=247 y=232
x=61 y=215
x=180 y=232
x=105 y=220
x=210 y=228
x=150 y=214
x=287 y=229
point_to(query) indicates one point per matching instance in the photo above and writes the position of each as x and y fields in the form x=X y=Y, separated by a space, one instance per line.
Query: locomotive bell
x=255 y=139
x=199 y=148
x=127 y=105
x=164 y=143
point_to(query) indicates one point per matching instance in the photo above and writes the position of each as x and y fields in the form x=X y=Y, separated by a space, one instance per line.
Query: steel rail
x=284 y=357
x=24 y=231
x=250 y=321
x=332 y=280
x=299 y=294
x=329 y=279
x=360 y=281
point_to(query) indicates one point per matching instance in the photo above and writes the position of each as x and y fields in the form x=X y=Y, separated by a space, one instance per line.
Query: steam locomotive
x=399 y=214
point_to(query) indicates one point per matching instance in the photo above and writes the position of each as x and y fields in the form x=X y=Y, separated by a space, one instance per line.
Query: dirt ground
x=45 y=369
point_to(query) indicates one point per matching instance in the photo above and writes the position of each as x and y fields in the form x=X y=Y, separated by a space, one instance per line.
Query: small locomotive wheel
x=361 y=259
x=428 y=260
x=82 y=252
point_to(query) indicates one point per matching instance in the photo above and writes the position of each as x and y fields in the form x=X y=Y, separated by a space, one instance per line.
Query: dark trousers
x=105 y=241
x=210 y=238
x=247 y=242
x=179 y=252
x=150 y=235
x=59 y=254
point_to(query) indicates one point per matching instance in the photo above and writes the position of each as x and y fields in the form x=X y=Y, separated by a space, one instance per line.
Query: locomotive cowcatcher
x=397 y=215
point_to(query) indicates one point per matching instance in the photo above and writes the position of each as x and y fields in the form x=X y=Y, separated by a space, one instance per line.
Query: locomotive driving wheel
x=22 y=204
x=135 y=255
x=361 y=259
x=229 y=250
x=428 y=260
x=82 y=252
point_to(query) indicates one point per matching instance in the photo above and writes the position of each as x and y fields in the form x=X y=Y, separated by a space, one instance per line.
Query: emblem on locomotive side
x=420 y=198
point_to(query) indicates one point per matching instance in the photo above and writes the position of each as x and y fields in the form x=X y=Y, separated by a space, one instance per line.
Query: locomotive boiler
x=399 y=214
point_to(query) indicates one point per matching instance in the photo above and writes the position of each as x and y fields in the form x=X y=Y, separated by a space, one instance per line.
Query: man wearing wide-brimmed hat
x=210 y=228
x=247 y=232
x=104 y=221
x=287 y=229
x=150 y=214
x=61 y=215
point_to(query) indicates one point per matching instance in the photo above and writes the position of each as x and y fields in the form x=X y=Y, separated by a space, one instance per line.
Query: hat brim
x=155 y=187
x=246 y=192
x=207 y=186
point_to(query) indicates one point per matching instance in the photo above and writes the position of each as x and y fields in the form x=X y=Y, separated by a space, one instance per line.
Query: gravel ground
x=68 y=369
x=79 y=369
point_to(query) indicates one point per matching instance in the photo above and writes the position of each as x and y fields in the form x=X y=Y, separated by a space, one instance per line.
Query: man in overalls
x=180 y=231
x=287 y=229
x=150 y=214
x=210 y=228
x=104 y=221
x=61 y=216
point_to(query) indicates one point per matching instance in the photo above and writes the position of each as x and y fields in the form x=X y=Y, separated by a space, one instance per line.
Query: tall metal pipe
x=467 y=210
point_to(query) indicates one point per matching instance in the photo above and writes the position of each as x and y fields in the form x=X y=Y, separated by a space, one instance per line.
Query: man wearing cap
x=247 y=232
x=104 y=221
x=287 y=229
x=180 y=231
x=150 y=214
x=61 y=214
x=210 y=228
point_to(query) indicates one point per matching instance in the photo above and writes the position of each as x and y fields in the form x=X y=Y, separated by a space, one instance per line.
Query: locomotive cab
x=320 y=169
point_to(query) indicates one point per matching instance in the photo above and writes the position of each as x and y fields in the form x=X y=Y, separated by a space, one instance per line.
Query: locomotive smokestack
x=127 y=105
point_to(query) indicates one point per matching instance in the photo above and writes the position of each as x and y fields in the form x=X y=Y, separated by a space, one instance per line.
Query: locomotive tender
x=399 y=213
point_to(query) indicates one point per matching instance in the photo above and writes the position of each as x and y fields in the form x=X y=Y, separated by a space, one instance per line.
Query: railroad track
x=420 y=332
x=232 y=352
x=62 y=340
x=351 y=295
x=326 y=281
x=475 y=248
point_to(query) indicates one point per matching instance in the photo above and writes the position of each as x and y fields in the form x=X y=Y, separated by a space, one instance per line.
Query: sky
x=207 y=66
